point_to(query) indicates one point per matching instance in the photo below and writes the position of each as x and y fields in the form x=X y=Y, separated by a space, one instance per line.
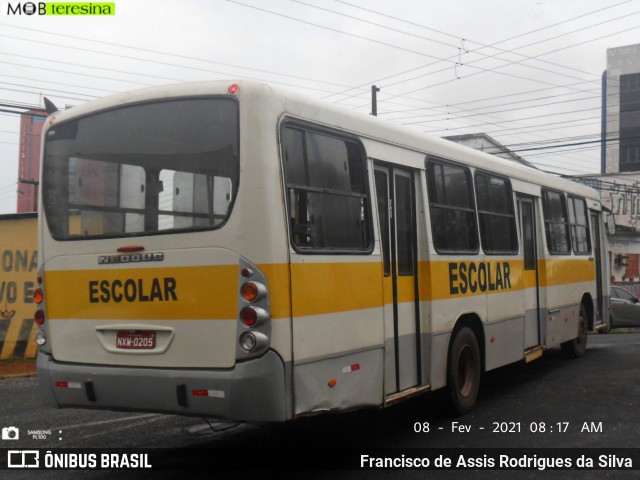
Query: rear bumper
x=254 y=390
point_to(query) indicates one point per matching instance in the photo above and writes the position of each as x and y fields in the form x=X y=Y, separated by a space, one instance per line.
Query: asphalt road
x=589 y=403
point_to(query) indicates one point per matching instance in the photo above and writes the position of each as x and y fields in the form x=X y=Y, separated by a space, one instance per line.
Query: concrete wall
x=18 y=279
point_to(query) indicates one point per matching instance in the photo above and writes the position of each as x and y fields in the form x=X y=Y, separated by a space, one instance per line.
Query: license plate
x=133 y=340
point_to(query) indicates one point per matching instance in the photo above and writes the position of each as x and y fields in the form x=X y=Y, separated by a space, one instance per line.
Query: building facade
x=621 y=105
x=31 y=123
x=487 y=144
x=620 y=180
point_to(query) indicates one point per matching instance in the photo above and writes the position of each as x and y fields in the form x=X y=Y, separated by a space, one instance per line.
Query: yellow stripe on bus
x=195 y=293
x=279 y=287
x=463 y=278
x=555 y=272
x=211 y=292
x=320 y=288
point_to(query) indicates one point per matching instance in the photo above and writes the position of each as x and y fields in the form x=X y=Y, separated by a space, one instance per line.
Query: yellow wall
x=18 y=279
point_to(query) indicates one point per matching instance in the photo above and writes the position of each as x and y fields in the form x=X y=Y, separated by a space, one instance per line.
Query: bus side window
x=326 y=191
x=452 y=209
x=496 y=213
x=556 y=222
x=580 y=238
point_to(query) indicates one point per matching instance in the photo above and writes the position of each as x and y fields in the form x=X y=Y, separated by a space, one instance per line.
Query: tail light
x=38 y=295
x=252 y=291
x=39 y=316
x=254 y=317
x=248 y=341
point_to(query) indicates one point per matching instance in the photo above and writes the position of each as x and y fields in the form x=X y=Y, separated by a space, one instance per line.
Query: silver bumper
x=254 y=390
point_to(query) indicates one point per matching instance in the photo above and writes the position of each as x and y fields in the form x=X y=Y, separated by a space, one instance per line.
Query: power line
x=184 y=57
x=516 y=76
x=100 y=52
x=501 y=97
x=476 y=114
x=520 y=119
x=486 y=46
x=29 y=114
x=412 y=23
x=426 y=38
x=449 y=60
x=49 y=81
x=461 y=51
x=493 y=45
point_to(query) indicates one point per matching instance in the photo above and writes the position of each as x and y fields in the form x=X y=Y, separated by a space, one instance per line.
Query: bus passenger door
x=527 y=212
x=396 y=209
x=596 y=232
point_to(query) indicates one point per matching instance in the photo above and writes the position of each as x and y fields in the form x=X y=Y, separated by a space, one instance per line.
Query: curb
x=17 y=375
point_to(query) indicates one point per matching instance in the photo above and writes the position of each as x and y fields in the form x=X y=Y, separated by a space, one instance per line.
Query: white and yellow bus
x=235 y=251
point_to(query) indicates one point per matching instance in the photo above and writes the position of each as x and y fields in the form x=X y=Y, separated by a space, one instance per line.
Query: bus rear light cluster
x=38 y=297
x=254 y=327
x=39 y=316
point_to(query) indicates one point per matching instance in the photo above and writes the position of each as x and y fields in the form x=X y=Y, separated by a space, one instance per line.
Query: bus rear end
x=150 y=301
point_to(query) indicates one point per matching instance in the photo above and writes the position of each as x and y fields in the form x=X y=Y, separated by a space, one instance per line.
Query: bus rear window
x=142 y=169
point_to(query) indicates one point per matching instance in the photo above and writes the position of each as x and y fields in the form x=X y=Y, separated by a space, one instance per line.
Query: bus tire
x=463 y=371
x=575 y=348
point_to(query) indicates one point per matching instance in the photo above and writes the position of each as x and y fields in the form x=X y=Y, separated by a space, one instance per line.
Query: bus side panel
x=504 y=330
x=338 y=333
x=439 y=352
x=340 y=383
x=490 y=290
x=504 y=343
x=564 y=282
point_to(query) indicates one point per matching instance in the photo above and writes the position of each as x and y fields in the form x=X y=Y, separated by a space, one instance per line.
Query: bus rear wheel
x=575 y=348
x=463 y=371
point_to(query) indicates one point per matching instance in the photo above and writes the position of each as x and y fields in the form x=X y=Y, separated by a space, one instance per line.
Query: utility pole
x=374 y=100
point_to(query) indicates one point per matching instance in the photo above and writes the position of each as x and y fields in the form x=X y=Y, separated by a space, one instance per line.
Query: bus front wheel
x=463 y=371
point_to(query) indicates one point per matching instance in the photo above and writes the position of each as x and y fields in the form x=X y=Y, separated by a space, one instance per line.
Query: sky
x=526 y=72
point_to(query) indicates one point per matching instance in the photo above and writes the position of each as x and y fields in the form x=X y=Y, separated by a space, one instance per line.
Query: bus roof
x=332 y=115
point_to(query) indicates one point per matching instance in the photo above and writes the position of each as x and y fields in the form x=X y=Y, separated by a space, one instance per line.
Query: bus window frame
x=178 y=98
x=314 y=128
x=570 y=204
x=547 y=220
x=431 y=160
x=511 y=214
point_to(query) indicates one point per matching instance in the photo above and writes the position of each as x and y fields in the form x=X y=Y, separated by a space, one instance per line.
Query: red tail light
x=252 y=291
x=249 y=291
x=249 y=316
x=38 y=296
